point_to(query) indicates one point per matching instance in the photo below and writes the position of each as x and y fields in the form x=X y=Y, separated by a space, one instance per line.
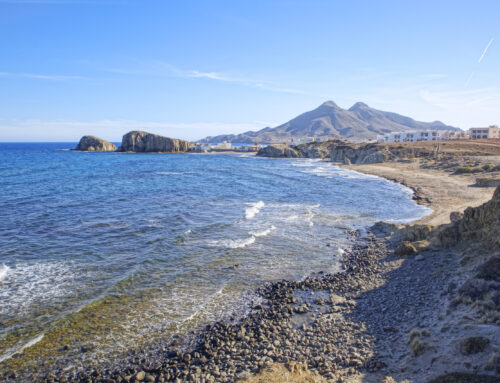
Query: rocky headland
x=139 y=141
x=94 y=144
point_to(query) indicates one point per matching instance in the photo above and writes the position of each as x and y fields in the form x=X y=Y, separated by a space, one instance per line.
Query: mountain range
x=358 y=123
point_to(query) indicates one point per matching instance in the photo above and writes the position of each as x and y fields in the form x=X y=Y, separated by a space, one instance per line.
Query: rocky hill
x=358 y=123
x=94 y=144
x=139 y=141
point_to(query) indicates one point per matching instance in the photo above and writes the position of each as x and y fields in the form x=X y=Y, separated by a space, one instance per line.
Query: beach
x=442 y=191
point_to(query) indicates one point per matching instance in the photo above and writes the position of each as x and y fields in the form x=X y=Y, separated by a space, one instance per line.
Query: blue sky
x=189 y=69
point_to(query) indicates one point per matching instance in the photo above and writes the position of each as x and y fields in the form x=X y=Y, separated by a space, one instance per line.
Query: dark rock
x=406 y=248
x=279 y=150
x=139 y=141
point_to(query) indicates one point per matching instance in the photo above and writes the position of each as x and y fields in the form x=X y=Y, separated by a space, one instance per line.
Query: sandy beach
x=442 y=191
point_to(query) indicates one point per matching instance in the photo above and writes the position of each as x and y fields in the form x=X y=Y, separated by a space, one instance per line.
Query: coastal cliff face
x=480 y=223
x=94 y=144
x=139 y=141
x=334 y=150
x=279 y=151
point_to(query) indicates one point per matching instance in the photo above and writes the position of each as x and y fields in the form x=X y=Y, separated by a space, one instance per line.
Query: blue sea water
x=113 y=250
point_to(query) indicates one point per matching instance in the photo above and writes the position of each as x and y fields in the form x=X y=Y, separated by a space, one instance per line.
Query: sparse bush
x=413 y=334
x=473 y=345
x=425 y=332
x=488 y=167
x=467 y=170
x=418 y=346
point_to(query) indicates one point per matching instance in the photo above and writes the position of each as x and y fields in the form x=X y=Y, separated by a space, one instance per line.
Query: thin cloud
x=113 y=130
x=37 y=76
x=160 y=68
x=484 y=52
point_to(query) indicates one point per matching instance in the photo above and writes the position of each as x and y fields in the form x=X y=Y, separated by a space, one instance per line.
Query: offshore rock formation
x=94 y=144
x=139 y=141
x=279 y=150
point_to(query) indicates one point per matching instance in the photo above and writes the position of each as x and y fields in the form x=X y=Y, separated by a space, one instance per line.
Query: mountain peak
x=358 y=105
x=329 y=103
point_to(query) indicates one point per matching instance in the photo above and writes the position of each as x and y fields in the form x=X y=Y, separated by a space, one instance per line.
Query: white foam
x=262 y=233
x=254 y=209
x=18 y=350
x=4 y=270
x=35 y=283
x=236 y=243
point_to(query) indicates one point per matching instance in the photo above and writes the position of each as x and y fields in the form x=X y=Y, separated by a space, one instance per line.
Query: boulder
x=94 y=144
x=406 y=248
x=139 y=141
x=279 y=151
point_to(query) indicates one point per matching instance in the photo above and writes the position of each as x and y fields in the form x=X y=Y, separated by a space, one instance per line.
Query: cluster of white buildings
x=492 y=131
x=223 y=147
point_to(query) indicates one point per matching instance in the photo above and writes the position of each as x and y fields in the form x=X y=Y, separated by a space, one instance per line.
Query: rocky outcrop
x=279 y=151
x=333 y=150
x=480 y=223
x=94 y=144
x=139 y=141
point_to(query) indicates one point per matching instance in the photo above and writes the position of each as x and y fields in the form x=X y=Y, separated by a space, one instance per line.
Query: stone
x=140 y=376
x=94 y=144
x=405 y=248
x=139 y=141
x=279 y=150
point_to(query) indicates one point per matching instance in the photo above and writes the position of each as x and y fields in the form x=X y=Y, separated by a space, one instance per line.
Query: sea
x=101 y=253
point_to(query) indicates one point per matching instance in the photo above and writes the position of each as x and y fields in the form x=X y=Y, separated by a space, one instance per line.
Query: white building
x=223 y=146
x=492 y=131
x=421 y=135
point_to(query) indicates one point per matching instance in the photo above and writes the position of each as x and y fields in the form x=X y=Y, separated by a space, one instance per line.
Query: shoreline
x=351 y=326
x=442 y=192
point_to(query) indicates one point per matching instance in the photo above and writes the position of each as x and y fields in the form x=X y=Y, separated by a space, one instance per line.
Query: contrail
x=468 y=80
x=484 y=52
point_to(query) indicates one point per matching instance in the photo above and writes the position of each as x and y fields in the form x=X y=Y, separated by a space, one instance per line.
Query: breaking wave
x=254 y=209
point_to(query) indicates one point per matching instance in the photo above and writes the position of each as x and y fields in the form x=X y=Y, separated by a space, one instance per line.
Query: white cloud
x=113 y=130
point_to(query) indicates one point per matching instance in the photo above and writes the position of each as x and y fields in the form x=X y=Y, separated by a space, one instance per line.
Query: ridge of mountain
x=359 y=122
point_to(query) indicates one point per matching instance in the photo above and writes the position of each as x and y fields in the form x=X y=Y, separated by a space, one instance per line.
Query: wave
x=263 y=233
x=168 y=173
x=254 y=209
x=236 y=243
x=4 y=270
x=13 y=351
